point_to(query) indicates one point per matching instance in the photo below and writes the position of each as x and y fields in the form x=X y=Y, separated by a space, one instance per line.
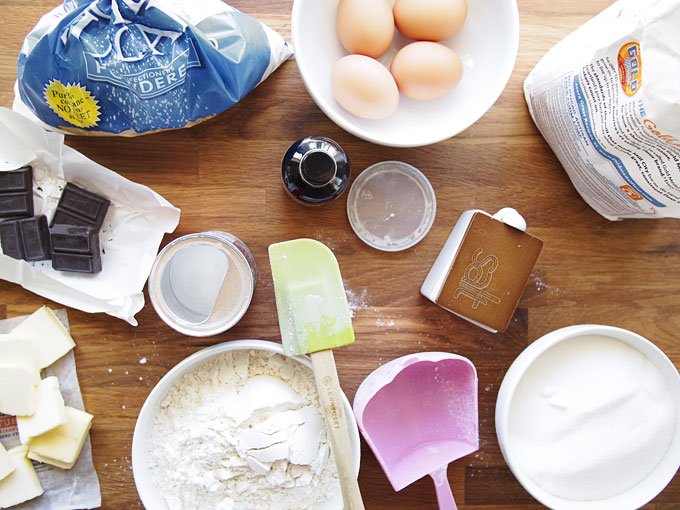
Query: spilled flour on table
x=356 y=301
x=244 y=432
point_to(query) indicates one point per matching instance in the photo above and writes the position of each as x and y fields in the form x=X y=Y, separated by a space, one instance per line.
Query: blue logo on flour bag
x=134 y=66
x=114 y=68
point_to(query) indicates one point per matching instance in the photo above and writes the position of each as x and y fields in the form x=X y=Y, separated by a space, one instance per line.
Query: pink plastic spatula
x=418 y=413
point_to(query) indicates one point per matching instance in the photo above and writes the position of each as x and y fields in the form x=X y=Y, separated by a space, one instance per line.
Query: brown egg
x=429 y=20
x=364 y=87
x=365 y=26
x=426 y=70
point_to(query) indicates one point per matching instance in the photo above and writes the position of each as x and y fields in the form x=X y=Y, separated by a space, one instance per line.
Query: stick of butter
x=61 y=446
x=50 y=411
x=23 y=483
x=50 y=338
x=20 y=352
x=17 y=393
x=6 y=464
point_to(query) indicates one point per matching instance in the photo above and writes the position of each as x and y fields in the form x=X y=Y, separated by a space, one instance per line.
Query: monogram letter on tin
x=476 y=278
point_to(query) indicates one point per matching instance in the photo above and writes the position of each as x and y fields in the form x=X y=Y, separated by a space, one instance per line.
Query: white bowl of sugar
x=236 y=426
x=588 y=418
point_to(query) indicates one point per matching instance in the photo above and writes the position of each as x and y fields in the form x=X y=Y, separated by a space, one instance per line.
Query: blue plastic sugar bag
x=129 y=67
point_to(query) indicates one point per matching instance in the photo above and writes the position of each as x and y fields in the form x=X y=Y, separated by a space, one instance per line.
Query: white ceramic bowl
x=639 y=494
x=487 y=46
x=148 y=493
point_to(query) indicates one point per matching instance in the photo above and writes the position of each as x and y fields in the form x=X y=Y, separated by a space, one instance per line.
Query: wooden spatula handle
x=333 y=408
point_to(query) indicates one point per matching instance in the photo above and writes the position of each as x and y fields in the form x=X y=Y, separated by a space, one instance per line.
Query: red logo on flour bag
x=628 y=190
x=630 y=68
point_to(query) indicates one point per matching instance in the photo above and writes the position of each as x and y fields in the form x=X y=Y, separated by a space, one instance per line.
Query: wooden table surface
x=224 y=175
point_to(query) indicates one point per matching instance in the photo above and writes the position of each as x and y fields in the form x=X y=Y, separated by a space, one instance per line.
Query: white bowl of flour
x=237 y=426
x=588 y=418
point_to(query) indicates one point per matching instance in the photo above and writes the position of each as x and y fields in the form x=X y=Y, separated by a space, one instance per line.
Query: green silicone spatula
x=314 y=318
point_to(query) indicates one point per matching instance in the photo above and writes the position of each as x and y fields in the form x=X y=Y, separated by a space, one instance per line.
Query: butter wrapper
x=133 y=228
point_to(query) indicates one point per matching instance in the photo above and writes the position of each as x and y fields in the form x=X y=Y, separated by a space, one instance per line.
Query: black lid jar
x=315 y=170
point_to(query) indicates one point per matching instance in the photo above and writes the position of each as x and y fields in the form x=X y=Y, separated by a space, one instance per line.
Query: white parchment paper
x=133 y=228
x=65 y=489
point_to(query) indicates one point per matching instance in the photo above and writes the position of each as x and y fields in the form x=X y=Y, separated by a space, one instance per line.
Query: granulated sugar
x=591 y=418
x=244 y=432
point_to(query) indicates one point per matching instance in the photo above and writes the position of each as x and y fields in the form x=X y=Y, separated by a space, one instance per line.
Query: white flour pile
x=243 y=432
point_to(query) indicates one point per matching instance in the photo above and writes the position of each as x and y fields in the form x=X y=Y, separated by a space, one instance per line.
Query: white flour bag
x=606 y=99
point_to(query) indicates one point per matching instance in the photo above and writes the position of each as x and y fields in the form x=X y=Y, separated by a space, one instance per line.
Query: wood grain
x=224 y=175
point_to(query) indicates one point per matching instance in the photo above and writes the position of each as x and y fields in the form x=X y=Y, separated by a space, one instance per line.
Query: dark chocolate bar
x=26 y=238
x=16 y=193
x=74 y=239
x=75 y=248
x=80 y=207
x=77 y=262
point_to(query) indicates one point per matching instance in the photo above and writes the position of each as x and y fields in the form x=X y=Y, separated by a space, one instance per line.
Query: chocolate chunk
x=26 y=238
x=16 y=193
x=10 y=238
x=75 y=248
x=80 y=207
x=77 y=263
x=74 y=239
x=13 y=205
x=17 y=180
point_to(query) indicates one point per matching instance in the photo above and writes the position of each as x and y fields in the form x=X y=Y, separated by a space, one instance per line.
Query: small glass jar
x=315 y=170
x=202 y=284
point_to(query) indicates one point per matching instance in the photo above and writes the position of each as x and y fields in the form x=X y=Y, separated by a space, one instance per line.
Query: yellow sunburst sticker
x=73 y=103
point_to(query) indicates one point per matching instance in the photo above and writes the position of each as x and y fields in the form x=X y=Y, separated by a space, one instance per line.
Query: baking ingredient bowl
x=486 y=44
x=588 y=418
x=141 y=457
